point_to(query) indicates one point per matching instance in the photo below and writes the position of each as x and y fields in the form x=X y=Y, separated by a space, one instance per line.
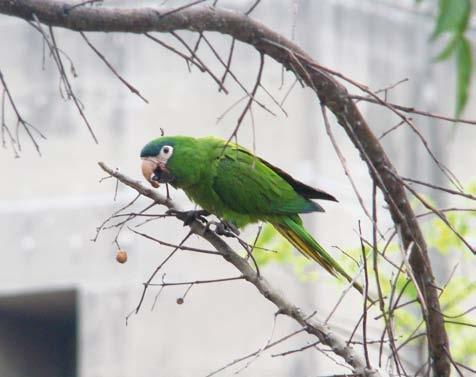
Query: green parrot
x=238 y=187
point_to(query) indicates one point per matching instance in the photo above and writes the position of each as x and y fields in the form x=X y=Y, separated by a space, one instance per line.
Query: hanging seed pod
x=121 y=256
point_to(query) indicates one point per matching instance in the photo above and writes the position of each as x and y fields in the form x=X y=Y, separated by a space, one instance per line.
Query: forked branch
x=331 y=93
x=312 y=326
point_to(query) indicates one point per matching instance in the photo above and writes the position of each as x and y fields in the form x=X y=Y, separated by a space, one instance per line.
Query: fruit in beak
x=148 y=171
x=156 y=172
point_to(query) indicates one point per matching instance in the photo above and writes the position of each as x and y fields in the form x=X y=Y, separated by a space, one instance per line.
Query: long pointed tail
x=297 y=235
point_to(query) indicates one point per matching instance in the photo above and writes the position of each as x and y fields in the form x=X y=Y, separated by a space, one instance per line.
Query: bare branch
x=311 y=326
x=20 y=121
x=228 y=62
x=449 y=191
x=303 y=348
x=250 y=101
x=208 y=281
x=82 y=4
x=202 y=68
x=330 y=92
x=343 y=163
x=101 y=56
x=412 y=110
x=439 y=214
x=202 y=64
x=366 y=295
x=179 y=246
x=147 y=283
x=227 y=69
x=69 y=89
x=179 y=9
x=252 y=8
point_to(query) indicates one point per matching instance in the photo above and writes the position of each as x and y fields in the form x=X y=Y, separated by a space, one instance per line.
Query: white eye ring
x=165 y=153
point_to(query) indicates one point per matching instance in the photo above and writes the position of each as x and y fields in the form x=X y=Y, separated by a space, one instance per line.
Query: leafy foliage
x=457 y=292
x=453 y=16
x=272 y=247
x=453 y=19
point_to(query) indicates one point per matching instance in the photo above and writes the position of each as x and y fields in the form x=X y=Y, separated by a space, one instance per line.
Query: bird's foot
x=223 y=228
x=189 y=216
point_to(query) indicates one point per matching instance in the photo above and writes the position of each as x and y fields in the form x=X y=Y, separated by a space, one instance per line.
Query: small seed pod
x=180 y=301
x=121 y=256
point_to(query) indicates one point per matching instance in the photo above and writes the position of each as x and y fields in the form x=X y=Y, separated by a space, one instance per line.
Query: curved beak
x=148 y=171
x=155 y=171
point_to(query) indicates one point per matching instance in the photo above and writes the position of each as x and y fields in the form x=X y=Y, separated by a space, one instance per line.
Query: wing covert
x=247 y=185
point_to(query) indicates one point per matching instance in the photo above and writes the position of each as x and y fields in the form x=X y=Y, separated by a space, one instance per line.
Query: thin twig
x=437 y=213
x=323 y=333
x=270 y=345
x=102 y=57
x=343 y=162
x=20 y=120
x=228 y=62
x=179 y=9
x=303 y=348
x=219 y=58
x=201 y=63
x=68 y=86
x=147 y=283
x=366 y=295
x=412 y=110
x=179 y=246
x=195 y=282
x=252 y=8
x=81 y=4
x=250 y=101
x=440 y=188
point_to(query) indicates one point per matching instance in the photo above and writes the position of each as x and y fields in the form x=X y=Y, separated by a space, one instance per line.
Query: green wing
x=248 y=185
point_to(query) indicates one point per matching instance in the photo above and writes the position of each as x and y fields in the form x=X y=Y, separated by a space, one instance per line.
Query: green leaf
x=449 y=48
x=453 y=15
x=464 y=69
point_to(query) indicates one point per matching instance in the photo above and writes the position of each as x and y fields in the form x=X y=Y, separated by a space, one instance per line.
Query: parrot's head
x=171 y=159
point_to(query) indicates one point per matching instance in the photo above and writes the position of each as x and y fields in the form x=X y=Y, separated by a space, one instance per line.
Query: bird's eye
x=166 y=152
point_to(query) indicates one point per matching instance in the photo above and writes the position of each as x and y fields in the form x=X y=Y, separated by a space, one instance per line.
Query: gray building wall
x=50 y=206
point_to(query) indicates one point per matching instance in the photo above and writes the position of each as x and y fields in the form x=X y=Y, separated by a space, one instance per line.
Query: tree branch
x=330 y=92
x=285 y=307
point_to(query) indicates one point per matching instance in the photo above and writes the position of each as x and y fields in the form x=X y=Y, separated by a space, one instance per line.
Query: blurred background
x=64 y=298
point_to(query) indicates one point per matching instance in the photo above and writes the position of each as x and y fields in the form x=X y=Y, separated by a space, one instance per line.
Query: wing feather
x=248 y=185
x=301 y=188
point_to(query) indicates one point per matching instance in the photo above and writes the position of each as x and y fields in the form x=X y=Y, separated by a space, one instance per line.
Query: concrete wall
x=50 y=206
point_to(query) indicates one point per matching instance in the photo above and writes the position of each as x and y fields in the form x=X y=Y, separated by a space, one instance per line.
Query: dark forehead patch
x=153 y=148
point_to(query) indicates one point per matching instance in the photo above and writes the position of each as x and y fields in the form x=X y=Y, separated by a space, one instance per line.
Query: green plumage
x=239 y=187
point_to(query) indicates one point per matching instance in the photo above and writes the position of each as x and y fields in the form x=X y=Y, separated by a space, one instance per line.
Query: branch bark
x=322 y=331
x=330 y=92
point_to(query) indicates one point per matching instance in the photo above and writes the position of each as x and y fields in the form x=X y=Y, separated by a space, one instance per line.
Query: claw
x=232 y=228
x=189 y=216
x=224 y=228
